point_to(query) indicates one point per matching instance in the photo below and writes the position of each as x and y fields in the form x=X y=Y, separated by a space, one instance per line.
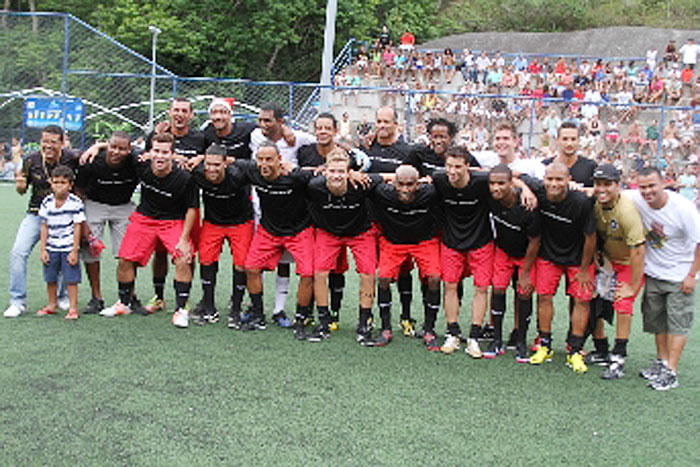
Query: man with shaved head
x=567 y=247
x=405 y=212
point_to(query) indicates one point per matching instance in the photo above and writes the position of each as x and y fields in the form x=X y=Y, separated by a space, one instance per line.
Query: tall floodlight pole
x=155 y=31
x=327 y=62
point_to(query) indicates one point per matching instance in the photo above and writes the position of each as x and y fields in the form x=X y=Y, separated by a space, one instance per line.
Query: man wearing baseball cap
x=621 y=244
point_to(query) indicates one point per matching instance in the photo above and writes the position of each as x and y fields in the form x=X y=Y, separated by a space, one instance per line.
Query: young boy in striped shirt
x=61 y=215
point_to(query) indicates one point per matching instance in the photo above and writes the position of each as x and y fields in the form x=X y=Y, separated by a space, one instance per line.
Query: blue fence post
x=64 y=68
x=174 y=87
x=660 y=129
x=291 y=102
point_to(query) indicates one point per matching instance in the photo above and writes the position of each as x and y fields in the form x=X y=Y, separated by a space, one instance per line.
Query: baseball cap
x=606 y=172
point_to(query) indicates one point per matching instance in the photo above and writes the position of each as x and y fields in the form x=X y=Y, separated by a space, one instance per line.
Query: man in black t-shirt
x=166 y=214
x=284 y=223
x=228 y=215
x=233 y=136
x=339 y=212
x=35 y=172
x=517 y=242
x=107 y=184
x=406 y=214
x=568 y=242
x=428 y=159
x=580 y=168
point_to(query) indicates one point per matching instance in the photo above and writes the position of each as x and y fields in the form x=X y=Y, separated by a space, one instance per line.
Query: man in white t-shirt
x=689 y=52
x=672 y=229
x=505 y=142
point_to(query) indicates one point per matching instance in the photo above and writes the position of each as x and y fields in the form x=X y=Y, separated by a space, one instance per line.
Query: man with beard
x=234 y=137
x=430 y=158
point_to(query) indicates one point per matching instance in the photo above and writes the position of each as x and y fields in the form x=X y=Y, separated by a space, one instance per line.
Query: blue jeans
x=27 y=236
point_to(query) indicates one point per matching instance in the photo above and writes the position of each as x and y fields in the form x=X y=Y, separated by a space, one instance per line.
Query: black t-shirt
x=582 y=170
x=427 y=162
x=342 y=216
x=466 y=210
x=189 y=145
x=236 y=143
x=282 y=201
x=106 y=184
x=38 y=174
x=386 y=159
x=228 y=202
x=166 y=198
x=563 y=227
x=308 y=156
x=406 y=224
x=514 y=226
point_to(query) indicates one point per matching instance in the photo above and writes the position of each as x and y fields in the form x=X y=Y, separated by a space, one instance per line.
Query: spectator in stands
x=689 y=51
x=407 y=42
x=449 y=63
x=384 y=38
x=671 y=53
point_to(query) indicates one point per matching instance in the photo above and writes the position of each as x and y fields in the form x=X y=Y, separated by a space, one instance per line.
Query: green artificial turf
x=136 y=390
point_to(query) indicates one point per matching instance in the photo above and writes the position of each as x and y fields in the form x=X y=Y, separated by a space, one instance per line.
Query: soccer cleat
x=430 y=340
x=576 y=362
x=473 y=349
x=94 y=306
x=319 y=333
x=280 y=318
x=334 y=326
x=521 y=353
x=665 y=381
x=46 y=311
x=541 y=355
x=200 y=320
x=254 y=324
x=408 y=327
x=13 y=311
x=653 y=372
x=212 y=318
x=512 y=343
x=181 y=318
x=487 y=332
x=63 y=304
x=597 y=358
x=154 y=304
x=137 y=308
x=363 y=335
x=494 y=349
x=299 y=331
x=615 y=367
x=234 y=321
x=383 y=338
x=72 y=314
x=451 y=344
x=117 y=309
x=535 y=344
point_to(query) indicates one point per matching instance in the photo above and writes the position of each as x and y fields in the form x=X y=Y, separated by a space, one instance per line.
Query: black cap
x=606 y=172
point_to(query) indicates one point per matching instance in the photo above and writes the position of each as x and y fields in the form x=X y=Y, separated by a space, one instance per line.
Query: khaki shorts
x=98 y=215
x=665 y=309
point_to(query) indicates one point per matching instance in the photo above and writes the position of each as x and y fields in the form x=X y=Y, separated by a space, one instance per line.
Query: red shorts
x=504 y=268
x=392 y=255
x=194 y=236
x=329 y=251
x=548 y=275
x=266 y=250
x=341 y=265
x=458 y=264
x=624 y=274
x=143 y=232
x=212 y=236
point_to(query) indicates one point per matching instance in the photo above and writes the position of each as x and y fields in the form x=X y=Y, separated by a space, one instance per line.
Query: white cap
x=217 y=102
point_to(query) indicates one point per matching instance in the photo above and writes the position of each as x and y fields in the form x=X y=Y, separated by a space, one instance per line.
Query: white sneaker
x=13 y=311
x=115 y=310
x=64 y=304
x=181 y=318
x=451 y=344
x=473 y=349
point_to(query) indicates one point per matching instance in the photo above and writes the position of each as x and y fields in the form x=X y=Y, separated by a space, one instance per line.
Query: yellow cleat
x=154 y=304
x=576 y=363
x=543 y=354
x=408 y=327
x=334 y=326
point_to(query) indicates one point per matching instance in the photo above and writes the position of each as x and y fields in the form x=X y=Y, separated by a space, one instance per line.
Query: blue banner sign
x=42 y=111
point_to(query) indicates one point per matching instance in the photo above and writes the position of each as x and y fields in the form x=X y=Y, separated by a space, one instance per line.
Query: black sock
x=125 y=289
x=453 y=329
x=239 y=285
x=385 y=307
x=336 y=282
x=365 y=315
x=323 y=315
x=524 y=313
x=405 y=287
x=432 y=306
x=498 y=309
x=159 y=287
x=601 y=345
x=207 y=273
x=620 y=347
x=474 y=331
x=303 y=312
x=256 y=300
x=546 y=339
x=182 y=293
x=460 y=290
x=576 y=342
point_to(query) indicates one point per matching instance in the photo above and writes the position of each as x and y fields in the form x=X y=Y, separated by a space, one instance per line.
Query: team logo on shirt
x=656 y=236
x=613 y=224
